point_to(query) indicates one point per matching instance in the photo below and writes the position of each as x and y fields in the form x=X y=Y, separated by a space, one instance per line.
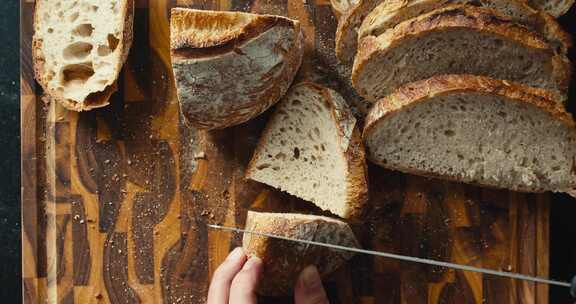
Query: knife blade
x=511 y=275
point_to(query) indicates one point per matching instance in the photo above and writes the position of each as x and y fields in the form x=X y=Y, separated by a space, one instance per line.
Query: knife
x=511 y=275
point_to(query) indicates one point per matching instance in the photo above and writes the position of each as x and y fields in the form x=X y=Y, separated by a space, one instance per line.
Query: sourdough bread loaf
x=79 y=49
x=476 y=130
x=284 y=260
x=457 y=39
x=311 y=148
x=229 y=67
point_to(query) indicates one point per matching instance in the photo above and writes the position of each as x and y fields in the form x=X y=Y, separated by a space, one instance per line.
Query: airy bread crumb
x=79 y=49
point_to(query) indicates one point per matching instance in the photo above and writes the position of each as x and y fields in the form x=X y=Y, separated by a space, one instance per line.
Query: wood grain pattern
x=115 y=200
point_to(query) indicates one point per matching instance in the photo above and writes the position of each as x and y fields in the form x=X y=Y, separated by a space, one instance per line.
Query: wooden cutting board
x=115 y=201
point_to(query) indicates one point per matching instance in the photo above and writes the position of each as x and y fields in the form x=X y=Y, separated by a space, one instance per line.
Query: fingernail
x=252 y=262
x=236 y=254
x=311 y=278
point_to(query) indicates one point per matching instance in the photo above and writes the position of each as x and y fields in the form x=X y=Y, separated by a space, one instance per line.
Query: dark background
x=563 y=210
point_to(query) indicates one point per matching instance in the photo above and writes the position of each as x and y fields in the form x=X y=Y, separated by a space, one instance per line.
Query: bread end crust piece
x=284 y=260
x=421 y=91
x=97 y=98
x=229 y=66
x=450 y=18
x=350 y=145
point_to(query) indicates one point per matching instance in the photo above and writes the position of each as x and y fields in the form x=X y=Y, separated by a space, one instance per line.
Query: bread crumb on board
x=200 y=155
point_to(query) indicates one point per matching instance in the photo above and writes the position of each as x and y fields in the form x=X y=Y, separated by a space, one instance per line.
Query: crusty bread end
x=284 y=260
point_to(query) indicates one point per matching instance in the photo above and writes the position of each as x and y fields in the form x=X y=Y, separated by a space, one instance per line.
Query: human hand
x=236 y=279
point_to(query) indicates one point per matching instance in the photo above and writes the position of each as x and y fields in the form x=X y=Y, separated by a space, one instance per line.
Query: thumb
x=309 y=289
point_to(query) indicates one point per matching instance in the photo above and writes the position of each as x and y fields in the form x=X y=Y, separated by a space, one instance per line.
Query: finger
x=244 y=285
x=219 y=291
x=309 y=289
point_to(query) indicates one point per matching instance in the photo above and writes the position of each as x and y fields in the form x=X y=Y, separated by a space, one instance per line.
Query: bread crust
x=390 y=13
x=284 y=260
x=350 y=142
x=96 y=99
x=346 y=40
x=354 y=152
x=208 y=47
x=421 y=91
x=457 y=16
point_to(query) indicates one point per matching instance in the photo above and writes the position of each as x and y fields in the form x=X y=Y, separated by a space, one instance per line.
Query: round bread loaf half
x=230 y=67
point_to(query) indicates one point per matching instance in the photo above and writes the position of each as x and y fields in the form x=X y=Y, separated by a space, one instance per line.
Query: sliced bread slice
x=555 y=8
x=284 y=260
x=390 y=13
x=457 y=40
x=477 y=130
x=79 y=49
x=311 y=148
x=230 y=66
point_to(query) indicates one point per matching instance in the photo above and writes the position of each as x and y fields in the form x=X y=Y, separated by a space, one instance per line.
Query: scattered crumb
x=200 y=155
x=107 y=161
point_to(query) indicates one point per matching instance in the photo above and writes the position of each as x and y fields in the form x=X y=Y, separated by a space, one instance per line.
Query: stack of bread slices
x=471 y=91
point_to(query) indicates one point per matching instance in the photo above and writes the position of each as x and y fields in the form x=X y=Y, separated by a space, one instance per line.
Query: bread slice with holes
x=457 y=40
x=284 y=260
x=390 y=13
x=477 y=130
x=555 y=8
x=229 y=66
x=79 y=48
x=311 y=148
